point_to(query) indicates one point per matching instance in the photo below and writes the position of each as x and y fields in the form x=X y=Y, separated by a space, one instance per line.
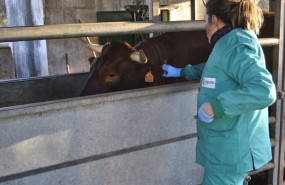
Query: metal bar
x=269 y=41
x=278 y=77
x=103 y=29
x=150 y=9
x=193 y=9
x=94 y=29
x=272 y=142
x=272 y=120
x=4 y=45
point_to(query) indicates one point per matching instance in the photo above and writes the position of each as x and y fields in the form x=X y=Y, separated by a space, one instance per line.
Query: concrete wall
x=7 y=68
x=3 y=17
x=264 y=4
x=140 y=137
x=177 y=12
x=61 y=12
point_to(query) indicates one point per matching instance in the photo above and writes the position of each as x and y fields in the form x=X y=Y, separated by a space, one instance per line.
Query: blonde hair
x=239 y=13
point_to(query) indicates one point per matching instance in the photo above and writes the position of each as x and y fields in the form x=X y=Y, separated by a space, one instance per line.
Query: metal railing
x=60 y=31
x=4 y=45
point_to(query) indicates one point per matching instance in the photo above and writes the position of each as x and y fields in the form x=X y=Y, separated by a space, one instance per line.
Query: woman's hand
x=207 y=108
x=170 y=71
x=206 y=113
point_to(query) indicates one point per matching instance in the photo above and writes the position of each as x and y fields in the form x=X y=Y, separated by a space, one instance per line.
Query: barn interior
x=42 y=71
x=47 y=60
x=53 y=57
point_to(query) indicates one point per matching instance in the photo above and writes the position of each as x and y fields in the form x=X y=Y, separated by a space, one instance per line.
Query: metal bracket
x=246 y=180
x=280 y=95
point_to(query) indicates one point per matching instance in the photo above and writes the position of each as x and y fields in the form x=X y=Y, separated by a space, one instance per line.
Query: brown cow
x=121 y=66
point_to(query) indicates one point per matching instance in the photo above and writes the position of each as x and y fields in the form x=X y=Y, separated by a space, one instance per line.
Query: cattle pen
x=128 y=137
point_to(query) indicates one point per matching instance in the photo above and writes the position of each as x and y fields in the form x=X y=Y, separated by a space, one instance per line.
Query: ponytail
x=239 y=13
x=247 y=15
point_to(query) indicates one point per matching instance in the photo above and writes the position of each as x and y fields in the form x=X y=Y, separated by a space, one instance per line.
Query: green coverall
x=239 y=88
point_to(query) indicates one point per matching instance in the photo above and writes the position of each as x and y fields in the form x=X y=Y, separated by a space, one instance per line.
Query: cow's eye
x=111 y=77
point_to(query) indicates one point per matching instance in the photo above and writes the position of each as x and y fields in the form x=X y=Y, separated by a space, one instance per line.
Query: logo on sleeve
x=209 y=83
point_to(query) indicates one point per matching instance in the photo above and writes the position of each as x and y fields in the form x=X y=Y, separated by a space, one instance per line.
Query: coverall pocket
x=223 y=148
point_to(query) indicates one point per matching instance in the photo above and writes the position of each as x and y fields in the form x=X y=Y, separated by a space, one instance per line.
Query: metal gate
x=277 y=122
x=280 y=104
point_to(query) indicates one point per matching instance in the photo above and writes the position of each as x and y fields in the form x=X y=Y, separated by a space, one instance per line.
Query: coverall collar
x=220 y=33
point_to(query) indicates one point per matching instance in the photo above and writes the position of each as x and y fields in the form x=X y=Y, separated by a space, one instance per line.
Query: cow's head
x=120 y=67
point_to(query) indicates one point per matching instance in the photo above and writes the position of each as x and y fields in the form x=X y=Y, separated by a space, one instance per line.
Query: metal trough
x=40 y=89
x=143 y=136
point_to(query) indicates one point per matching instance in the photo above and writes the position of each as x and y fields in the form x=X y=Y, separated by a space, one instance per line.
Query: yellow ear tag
x=149 y=77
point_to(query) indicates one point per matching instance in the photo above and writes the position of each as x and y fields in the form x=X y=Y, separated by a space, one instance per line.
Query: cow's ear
x=139 y=56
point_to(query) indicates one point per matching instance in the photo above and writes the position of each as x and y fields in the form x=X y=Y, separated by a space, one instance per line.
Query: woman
x=235 y=91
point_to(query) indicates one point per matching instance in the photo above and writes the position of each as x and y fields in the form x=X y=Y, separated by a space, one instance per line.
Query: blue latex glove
x=170 y=71
x=203 y=116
